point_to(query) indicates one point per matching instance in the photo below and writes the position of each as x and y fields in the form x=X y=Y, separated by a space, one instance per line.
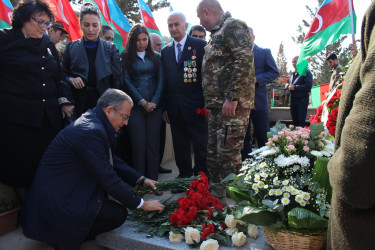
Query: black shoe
x=164 y=170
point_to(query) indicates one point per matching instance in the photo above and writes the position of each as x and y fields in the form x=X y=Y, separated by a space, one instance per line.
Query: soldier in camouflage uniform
x=336 y=70
x=228 y=85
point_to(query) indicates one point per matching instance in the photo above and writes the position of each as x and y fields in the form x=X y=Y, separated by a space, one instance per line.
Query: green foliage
x=321 y=175
x=256 y=216
x=300 y=218
x=180 y=183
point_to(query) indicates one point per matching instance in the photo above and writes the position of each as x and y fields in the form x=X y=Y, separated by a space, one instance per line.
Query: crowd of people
x=209 y=93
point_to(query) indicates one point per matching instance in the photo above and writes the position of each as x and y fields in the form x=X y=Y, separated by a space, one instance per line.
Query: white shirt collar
x=142 y=54
x=182 y=42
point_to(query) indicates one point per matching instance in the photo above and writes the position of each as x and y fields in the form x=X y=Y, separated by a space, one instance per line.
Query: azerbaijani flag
x=333 y=19
x=6 y=10
x=112 y=15
x=319 y=94
x=148 y=19
x=63 y=12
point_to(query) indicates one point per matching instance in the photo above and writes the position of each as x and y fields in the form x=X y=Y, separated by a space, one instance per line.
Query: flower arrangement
x=285 y=183
x=200 y=220
x=327 y=112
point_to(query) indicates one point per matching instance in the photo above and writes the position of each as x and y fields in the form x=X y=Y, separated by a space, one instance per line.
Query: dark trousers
x=162 y=140
x=144 y=130
x=261 y=123
x=298 y=109
x=110 y=216
x=183 y=134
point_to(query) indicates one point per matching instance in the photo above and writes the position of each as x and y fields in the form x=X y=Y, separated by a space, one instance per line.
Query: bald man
x=156 y=42
x=228 y=85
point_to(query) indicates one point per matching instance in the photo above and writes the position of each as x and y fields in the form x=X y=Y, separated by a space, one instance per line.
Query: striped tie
x=179 y=52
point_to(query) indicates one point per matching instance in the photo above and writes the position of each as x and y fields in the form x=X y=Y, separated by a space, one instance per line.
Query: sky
x=273 y=21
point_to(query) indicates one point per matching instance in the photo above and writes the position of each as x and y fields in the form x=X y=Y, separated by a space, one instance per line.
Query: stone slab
x=126 y=238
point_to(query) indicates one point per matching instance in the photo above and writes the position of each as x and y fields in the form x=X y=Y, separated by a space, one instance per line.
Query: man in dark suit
x=299 y=87
x=265 y=72
x=182 y=61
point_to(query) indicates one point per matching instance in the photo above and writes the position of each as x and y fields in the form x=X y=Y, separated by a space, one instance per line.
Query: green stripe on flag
x=315 y=96
x=4 y=25
x=318 y=42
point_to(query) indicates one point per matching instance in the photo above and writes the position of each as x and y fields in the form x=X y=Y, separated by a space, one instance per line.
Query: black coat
x=31 y=80
x=182 y=95
x=107 y=68
x=72 y=179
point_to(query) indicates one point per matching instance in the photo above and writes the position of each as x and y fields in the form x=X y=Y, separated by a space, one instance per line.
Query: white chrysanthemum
x=325 y=153
x=263 y=174
x=265 y=187
x=329 y=147
x=260 y=184
x=306 y=196
x=255 y=186
x=296 y=168
x=286 y=182
x=299 y=198
x=286 y=195
x=304 y=161
x=300 y=192
x=303 y=203
x=275 y=179
x=290 y=188
x=285 y=189
x=285 y=201
x=245 y=167
x=278 y=192
x=210 y=244
x=257 y=177
x=294 y=159
x=247 y=177
x=271 y=192
x=316 y=153
x=259 y=150
x=294 y=192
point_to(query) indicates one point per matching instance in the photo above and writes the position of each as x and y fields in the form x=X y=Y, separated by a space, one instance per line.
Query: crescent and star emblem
x=320 y=19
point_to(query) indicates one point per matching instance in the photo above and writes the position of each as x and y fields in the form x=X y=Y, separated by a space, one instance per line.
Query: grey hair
x=180 y=14
x=114 y=98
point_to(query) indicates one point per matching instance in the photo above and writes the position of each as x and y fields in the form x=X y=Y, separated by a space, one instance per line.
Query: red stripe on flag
x=324 y=90
x=330 y=13
x=149 y=21
x=122 y=33
x=103 y=6
x=5 y=13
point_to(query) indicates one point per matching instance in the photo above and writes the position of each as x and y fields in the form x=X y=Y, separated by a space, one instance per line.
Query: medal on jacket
x=213 y=48
x=194 y=65
x=185 y=71
x=190 y=70
x=219 y=52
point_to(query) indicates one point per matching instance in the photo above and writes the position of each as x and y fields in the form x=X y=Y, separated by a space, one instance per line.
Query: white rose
x=238 y=239
x=230 y=221
x=252 y=231
x=191 y=235
x=231 y=231
x=175 y=238
x=209 y=245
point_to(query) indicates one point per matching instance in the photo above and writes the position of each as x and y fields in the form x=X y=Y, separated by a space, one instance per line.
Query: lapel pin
x=189 y=48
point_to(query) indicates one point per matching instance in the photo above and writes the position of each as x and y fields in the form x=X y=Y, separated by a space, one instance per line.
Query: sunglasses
x=90 y=8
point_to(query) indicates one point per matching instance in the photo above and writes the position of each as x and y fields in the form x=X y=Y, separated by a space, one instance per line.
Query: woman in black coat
x=33 y=97
x=91 y=65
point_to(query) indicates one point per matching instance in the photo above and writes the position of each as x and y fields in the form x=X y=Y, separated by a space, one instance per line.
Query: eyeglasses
x=42 y=23
x=124 y=117
x=90 y=7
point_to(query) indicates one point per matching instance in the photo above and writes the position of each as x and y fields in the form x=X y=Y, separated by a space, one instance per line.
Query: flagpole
x=140 y=11
x=352 y=24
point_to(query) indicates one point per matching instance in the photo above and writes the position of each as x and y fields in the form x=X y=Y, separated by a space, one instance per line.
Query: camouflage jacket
x=335 y=78
x=228 y=64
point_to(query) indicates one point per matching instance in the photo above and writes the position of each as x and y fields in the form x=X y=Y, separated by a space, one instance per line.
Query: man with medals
x=182 y=62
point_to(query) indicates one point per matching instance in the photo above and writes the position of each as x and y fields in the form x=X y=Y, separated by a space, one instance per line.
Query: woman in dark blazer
x=143 y=80
x=91 y=65
x=33 y=96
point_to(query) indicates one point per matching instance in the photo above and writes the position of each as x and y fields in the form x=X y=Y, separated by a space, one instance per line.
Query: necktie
x=179 y=51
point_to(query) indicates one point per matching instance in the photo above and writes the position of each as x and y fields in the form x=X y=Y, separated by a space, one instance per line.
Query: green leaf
x=229 y=177
x=256 y=216
x=277 y=128
x=321 y=175
x=236 y=194
x=301 y=218
x=316 y=129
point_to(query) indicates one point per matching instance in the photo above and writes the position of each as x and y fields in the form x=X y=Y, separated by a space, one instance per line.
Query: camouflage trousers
x=225 y=141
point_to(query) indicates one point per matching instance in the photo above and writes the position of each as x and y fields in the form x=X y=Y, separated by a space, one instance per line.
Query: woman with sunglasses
x=91 y=65
x=33 y=96
x=143 y=80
